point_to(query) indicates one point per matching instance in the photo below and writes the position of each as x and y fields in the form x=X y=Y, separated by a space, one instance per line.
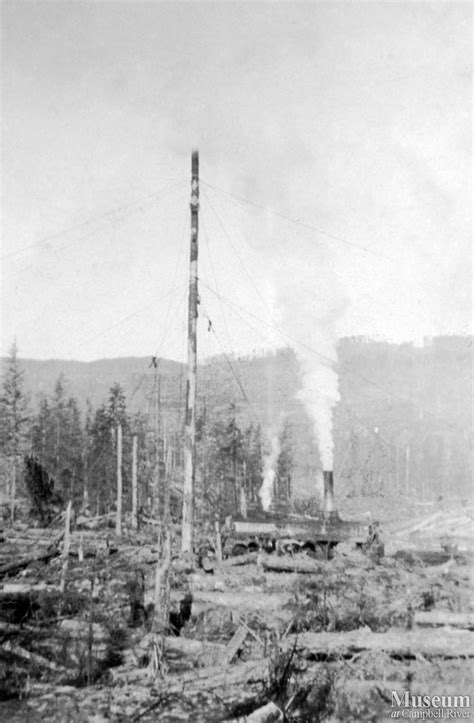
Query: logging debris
x=249 y=640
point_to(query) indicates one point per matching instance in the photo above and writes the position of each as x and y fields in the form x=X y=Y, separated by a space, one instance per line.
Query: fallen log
x=410 y=528
x=82 y=630
x=234 y=645
x=83 y=522
x=437 y=618
x=428 y=556
x=192 y=648
x=34 y=658
x=198 y=679
x=19 y=588
x=30 y=533
x=182 y=645
x=11 y=568
x=290 y=564
x=30 y=541
x=269 y=713
x=199 y=653
x=244 y=600
x=61 y=629
x=142 y=702
x=253 y=671
x=11 y=629
x=446 y=643
x=247 y=559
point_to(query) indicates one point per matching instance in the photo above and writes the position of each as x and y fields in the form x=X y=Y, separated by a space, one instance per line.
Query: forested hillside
x=403 y=427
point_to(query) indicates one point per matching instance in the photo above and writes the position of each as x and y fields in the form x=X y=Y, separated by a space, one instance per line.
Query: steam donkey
x=276 y=532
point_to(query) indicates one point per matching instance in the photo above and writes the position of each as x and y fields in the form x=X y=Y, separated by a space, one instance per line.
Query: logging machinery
x=290 y=533
x=277 y=532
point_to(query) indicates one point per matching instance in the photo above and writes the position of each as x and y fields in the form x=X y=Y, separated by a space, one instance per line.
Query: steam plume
x=266 y=491
x=320 y=393
x=311 y=309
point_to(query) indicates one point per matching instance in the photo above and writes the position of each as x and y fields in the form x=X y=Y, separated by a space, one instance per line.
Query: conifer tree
x=42 y=434
x=58 y=441
x=100 y=461
x=13 y=407
x=102 y=450
x=117 y=406
x=221 y=452
x=13 y=419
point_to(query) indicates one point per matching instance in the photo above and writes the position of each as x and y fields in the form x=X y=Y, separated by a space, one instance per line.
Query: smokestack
x=329 y=506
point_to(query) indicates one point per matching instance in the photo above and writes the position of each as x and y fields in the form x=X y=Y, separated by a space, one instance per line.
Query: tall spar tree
x=14 y=418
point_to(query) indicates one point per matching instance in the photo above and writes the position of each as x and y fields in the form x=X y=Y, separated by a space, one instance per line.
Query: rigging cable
x=94 y=231
x=44 y=241
x=247 y=273
x=215 y=281
x=231 y=367
x=331 y=363
x=298 y=222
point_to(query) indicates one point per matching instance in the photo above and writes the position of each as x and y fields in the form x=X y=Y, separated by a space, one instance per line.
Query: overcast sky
x=335 y=160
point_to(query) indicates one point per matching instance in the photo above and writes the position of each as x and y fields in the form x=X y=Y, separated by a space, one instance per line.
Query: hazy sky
x=335 y=160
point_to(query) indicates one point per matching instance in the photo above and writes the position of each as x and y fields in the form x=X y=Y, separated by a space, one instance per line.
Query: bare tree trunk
x=13 y=492
x=162 y=587
x=218 y=542
x=118 y=521
x=156 y=434
x=134 y=485
x=397 y=480
x=162 y=581
x=407 y=469
x=161 y=602
x=67 y=543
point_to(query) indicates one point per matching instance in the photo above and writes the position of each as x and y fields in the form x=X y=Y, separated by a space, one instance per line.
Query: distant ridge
x=391 y=396
x=91 y=380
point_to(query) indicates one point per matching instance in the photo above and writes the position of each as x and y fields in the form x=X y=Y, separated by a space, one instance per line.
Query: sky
x=335 y=165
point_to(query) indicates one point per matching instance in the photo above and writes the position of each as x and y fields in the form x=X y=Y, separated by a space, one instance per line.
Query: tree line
x=75 y=454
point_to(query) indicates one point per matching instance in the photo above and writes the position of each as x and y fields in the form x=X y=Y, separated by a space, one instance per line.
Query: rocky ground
x=325 y=641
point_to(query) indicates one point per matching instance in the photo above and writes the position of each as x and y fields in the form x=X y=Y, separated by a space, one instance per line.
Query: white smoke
x=320 y=391
x=267 y=489
x=311 y=307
